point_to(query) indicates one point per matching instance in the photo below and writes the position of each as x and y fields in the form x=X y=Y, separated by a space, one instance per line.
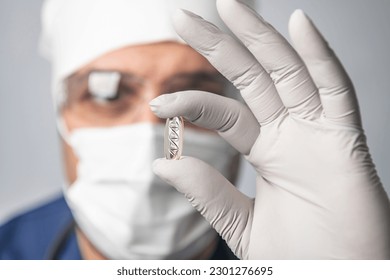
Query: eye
x=106 y=99
x=125 y=93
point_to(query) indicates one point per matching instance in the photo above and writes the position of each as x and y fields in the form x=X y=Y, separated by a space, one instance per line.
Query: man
x=318 y=194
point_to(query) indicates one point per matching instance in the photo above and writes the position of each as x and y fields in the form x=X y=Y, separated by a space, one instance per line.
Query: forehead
x=157 y=61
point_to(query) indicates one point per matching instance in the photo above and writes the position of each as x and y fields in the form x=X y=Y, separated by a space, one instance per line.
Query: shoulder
x=29 y=235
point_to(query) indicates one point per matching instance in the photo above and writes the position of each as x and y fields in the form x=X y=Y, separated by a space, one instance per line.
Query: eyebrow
x=197 y=76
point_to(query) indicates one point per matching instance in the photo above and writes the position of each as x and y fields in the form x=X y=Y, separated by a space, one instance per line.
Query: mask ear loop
x=59 y=101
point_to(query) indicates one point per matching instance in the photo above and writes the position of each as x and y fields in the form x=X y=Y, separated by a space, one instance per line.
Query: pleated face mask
x=123 y=208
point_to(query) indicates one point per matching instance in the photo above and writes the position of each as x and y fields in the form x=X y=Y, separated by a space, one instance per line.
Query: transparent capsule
x=173 y=138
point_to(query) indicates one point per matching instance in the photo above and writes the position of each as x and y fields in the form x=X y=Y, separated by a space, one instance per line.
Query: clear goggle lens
x=106 y=98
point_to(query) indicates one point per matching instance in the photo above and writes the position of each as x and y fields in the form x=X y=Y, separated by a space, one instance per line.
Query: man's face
x=146 y=72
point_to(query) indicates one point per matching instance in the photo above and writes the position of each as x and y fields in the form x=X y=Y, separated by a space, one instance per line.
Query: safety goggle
x=111 y=97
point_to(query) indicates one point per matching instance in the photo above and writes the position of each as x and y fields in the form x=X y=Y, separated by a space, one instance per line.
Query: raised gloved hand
x=318 y=195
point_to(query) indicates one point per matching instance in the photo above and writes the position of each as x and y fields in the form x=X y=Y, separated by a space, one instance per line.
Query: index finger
x=235 y=62
x=232 y=119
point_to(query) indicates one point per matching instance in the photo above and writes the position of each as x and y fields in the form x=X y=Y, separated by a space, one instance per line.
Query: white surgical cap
x=75 y=32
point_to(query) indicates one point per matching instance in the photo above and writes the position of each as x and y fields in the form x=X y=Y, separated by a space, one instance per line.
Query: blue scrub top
x=35 y=234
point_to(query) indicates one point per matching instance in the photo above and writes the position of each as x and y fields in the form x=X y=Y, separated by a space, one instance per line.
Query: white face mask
x=123 y=208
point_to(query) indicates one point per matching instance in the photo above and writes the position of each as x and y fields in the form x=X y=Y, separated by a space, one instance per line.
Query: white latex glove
x=318 y=195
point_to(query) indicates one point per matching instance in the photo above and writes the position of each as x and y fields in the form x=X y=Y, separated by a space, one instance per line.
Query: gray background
x=30 y=165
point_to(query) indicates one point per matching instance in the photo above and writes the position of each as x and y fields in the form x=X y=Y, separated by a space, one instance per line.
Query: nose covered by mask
x=123 y=208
